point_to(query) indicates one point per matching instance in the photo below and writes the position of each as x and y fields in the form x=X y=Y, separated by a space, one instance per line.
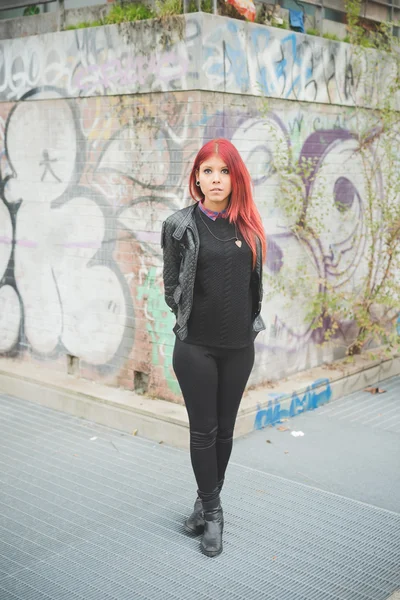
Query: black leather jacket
x=180 y=243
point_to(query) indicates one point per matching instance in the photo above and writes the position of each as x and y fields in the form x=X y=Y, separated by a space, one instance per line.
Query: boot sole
x=194 y=531
x=211 y=554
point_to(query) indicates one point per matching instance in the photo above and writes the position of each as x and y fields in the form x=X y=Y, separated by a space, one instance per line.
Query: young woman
x=213 y=255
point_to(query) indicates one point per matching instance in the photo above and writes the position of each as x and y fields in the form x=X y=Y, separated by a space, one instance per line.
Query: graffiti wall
x=86 y=186
x=90 y=168
x=198 y=51
x=315 y=395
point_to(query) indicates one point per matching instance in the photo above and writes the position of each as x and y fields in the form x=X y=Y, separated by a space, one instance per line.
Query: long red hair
x=241 y=208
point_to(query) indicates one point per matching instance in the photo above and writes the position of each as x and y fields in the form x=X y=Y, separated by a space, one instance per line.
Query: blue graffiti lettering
x=317 y=394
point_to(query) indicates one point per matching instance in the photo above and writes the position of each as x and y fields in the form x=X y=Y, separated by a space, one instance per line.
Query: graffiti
x=82 y=200
x=199 y=52
x=59 y=274
x=337 y=254
x=268 y=62
x=46 y=162
x=68 y=250
x=25 y=65
x=99 y=61
x=296 y=125
x=158 y=329
x=134 y=73
x=317 y=394
x=97 y=185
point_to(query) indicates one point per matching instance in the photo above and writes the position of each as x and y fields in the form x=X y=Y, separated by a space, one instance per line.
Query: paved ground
x=350 y=447
x=89 y=513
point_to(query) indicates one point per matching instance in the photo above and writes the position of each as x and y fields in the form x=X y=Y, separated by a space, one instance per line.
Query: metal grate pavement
x=378 y=411
x=100 y=519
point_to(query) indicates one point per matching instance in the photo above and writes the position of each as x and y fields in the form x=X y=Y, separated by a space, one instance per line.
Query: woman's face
x=215 y=183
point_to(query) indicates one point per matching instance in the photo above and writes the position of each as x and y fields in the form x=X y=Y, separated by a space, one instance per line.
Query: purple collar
x=212 y=214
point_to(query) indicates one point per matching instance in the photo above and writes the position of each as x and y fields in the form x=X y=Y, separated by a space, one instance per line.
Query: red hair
x=241 y=208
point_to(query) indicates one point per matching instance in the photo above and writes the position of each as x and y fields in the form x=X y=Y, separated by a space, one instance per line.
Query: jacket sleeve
x=172 y=261
x=256 y=282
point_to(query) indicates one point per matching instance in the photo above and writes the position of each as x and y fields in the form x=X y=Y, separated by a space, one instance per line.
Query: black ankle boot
x=211 y=543
x=195 y=523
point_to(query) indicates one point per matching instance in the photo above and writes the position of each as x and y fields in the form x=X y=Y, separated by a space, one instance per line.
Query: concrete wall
x=99 y=128
x=199 y=51
x=30 y=25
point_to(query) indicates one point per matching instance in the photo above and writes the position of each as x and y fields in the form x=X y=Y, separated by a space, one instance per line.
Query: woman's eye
x=225 y=171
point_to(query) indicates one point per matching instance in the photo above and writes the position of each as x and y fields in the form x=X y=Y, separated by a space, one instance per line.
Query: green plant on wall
x=168 y=8
x=125 y=13
x=368 y=301
x=31 y=10
x=128 y=12
x=85 y=24
x=381 y=38
x=283 y=25
x=331 y=36
x=205 y=6
x=119 y=13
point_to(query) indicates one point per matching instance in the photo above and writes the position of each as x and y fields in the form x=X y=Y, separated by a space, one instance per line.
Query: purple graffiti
x=132 y=71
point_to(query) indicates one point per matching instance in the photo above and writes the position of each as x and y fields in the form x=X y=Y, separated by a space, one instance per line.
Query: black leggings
x=212 y=381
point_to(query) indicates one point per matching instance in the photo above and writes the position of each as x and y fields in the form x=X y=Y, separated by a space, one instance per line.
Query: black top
x=222 y=299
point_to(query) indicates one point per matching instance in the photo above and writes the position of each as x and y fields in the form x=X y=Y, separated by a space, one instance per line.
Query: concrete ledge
x=310 y=389
x=154 y=419
x=166 y=422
